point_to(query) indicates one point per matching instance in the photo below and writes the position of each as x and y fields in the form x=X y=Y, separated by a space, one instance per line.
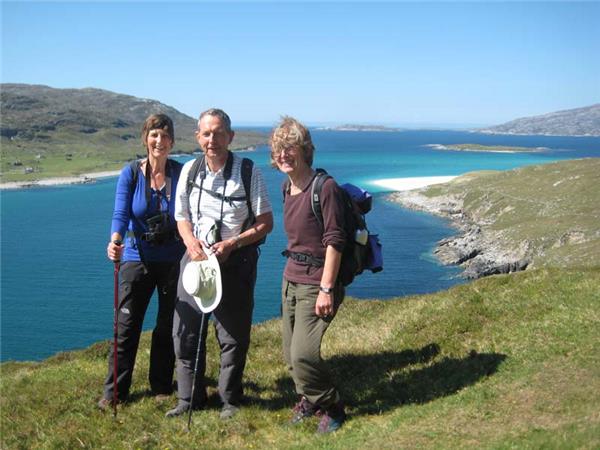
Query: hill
x=47 y=132
x=508 y=361
x=536 y=216
x=571 y=122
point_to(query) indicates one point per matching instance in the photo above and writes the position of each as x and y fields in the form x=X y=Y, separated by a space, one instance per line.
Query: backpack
x=199 y=167
x=362 y=250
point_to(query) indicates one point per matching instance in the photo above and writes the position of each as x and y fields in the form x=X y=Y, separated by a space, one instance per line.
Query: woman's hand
x=114 y=251
x=324 y=305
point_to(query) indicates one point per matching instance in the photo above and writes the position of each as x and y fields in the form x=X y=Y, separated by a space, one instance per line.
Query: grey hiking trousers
x=303 y=332
x=232 y=320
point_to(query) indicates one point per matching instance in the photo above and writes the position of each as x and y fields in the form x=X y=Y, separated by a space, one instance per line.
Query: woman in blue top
x=144 y=238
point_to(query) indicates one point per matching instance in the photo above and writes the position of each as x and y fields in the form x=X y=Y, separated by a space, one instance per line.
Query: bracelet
x=326 y=290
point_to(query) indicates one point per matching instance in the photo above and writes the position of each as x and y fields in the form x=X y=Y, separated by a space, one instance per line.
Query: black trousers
x=137 y=282
x=233 y=322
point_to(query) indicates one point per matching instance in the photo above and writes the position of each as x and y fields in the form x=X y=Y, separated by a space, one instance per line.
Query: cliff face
x=573 y=122
x=545 y=215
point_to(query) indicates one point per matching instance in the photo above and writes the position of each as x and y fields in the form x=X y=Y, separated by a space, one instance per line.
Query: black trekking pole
x=195 y=371
x=115 y=336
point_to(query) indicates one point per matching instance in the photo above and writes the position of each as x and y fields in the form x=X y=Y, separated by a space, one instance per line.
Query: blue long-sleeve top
x=132 y=210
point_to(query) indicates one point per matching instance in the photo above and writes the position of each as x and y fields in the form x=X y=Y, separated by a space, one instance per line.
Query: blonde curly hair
x=291 y=133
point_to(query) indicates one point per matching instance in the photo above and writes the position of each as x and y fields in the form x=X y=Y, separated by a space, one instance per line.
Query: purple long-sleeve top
x=305 y=234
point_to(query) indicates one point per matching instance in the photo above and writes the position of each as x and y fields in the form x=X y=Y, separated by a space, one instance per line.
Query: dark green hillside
x=49 y=132
x=508 y=361
x=545 y=215
x=552 y=211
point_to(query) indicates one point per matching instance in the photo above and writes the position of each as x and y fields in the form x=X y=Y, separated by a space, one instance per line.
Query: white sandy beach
x=393 y=184
x=83 y=178
x=406 y=184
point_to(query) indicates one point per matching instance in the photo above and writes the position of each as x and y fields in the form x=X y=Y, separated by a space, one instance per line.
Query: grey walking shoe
x=228 y=411
x=181 y=408
x=105 y=404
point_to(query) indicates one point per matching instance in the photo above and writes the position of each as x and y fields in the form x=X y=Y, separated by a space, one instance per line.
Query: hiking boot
x=104 y=404
x=332 y=419
x=228 y=411
x=303 y=409
x=181 y=408
x=161 y=398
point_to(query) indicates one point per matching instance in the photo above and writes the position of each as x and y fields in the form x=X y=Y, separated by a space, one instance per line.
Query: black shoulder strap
x=285 y=190
x=247 y=165
x=228 y=166
x=135 y=170
x=315 y=194
x=198 y=167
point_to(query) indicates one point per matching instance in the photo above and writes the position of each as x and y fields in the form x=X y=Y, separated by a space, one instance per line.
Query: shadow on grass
x=378 y=382
x=383 y=381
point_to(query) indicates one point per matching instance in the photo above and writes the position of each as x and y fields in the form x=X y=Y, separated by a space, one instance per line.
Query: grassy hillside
x=49 y=132
x=507 y=361
x=548 y=214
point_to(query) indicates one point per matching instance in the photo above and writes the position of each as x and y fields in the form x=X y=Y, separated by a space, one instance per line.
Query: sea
x=56 y=288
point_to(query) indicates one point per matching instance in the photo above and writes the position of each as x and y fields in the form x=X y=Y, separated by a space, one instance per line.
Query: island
x=486 y=148
x=349 y=127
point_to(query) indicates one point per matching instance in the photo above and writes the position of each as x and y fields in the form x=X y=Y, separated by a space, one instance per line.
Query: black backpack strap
x=285 y=188
x=247 y=165
x=228 y=166
x=135 y=171
x=198 y=167
x=315 y=194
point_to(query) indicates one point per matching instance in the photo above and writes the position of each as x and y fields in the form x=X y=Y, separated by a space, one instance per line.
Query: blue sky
x=394 y=63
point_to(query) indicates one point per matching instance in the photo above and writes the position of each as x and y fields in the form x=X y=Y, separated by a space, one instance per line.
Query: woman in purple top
x=144 y=239
x=311 y=293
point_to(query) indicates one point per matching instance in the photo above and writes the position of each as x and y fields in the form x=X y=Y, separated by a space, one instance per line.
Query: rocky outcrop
x=477 y=249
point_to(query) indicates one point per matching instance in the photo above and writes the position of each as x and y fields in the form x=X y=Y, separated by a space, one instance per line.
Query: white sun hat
x=202 y=280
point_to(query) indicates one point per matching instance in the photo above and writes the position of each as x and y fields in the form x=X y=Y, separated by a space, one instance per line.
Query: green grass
x=553 y=208
x=504 y=362
x=67 y=132
x=68 y=155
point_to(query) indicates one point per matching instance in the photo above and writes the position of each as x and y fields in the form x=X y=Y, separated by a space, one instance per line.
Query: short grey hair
x=217 y=113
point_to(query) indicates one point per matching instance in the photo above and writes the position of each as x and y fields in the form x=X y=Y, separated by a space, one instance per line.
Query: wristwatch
x=326 y=290
x=236 y=241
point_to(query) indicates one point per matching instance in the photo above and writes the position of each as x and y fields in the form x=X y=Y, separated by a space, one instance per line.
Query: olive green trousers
x=303 y=332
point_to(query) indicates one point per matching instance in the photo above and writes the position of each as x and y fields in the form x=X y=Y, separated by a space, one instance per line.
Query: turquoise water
x=56 y=291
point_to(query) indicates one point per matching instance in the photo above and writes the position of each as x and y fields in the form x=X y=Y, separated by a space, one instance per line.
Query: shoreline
x=89 y=177
x=410 y=183
x=477 y=249
x=393 y=184
x=84 y=178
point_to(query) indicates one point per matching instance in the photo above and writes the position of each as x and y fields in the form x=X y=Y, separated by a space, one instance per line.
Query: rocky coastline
x=479 y=250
